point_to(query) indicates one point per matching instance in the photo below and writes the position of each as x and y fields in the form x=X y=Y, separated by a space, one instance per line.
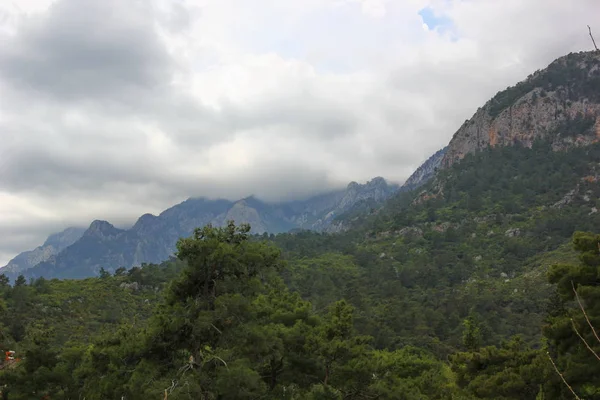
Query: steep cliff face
x=560 y=103
x=426 y=171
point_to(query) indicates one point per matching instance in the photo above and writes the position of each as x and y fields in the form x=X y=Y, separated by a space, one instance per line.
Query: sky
x=110 y=109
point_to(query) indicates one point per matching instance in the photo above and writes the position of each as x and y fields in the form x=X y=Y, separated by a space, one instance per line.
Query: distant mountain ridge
x=52 y=246
x=152 y=238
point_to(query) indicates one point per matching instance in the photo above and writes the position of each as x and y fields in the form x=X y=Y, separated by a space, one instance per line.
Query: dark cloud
x=37 y=170
x=86 y=49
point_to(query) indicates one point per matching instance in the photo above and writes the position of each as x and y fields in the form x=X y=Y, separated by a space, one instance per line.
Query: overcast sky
x=113 y=108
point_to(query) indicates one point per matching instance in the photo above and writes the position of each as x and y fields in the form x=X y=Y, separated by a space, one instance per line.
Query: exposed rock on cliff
x=560 y=103
x=425 y=172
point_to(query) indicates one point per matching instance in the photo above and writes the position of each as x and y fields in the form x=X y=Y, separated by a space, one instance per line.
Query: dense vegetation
x=442 y=293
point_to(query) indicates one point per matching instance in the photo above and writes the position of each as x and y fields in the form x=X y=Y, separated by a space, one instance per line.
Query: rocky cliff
x=560 y=103
x=426 y=171
x=152 y=238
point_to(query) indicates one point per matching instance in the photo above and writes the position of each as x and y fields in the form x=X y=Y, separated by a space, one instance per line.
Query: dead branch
x=584 y=313
x=562 y=377
x=584 y=341
x=170 y=389
x=593 y=41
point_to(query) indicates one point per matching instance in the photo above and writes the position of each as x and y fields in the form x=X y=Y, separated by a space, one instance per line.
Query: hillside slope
x=476 y=240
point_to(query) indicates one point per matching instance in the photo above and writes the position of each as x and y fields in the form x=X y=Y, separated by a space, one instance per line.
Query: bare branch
x=217 y=329
x=170 y=389
x=593 y=41
x=562 y=377
x=220 y=359
x=584 y=341
x=584 y=313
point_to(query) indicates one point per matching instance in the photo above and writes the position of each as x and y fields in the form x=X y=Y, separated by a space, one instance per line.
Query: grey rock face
x=54 y=244
x=426 y=171
x=567 y=198
x=512 y=232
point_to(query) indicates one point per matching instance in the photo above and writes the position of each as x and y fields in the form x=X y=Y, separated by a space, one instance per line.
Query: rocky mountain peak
x=377 y=182
x=377 y=189
x=560 y=103
x=102 y=229
x=353 y=186
x=145 y=223
x=63 y=239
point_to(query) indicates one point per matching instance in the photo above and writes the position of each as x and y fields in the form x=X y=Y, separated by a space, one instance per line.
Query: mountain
x=560 y=103
x=426 y=171
x=152 y=238
x=52 y=246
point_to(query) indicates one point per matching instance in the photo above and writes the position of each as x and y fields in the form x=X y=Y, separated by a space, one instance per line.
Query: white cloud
x=110 y=109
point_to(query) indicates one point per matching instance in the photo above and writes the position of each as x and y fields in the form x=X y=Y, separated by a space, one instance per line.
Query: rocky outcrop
x=376 y=189
x=512 y=232
x=560 y=103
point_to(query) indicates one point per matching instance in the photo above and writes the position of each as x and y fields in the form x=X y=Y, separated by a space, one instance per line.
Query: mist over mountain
x=78 y=253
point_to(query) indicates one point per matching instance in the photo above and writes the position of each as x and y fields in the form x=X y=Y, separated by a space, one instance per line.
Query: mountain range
x=79 y=253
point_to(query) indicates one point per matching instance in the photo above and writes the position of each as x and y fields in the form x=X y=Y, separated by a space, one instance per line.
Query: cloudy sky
x=113 y=108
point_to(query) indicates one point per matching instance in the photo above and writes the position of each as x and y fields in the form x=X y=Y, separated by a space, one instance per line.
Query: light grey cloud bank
x=113 y=108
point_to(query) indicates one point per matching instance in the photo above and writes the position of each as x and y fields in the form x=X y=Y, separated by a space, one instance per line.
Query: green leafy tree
x=104 y=274
x=471 y=334
x=20 y=281
x=511 y=371
x=335 y=341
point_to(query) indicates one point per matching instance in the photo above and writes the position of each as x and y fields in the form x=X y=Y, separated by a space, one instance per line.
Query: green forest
x=483 y=284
